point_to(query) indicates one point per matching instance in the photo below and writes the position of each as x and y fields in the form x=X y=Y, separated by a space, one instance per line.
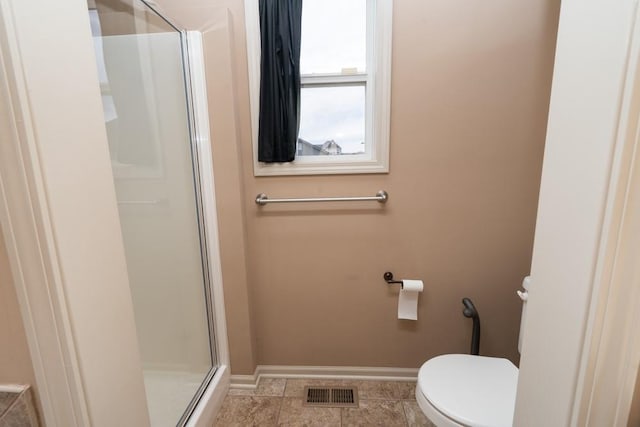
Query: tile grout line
x=404 y=411
x=281 y=402
x=279 y=412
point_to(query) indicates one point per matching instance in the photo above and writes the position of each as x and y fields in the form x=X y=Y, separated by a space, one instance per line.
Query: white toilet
x=470 y=391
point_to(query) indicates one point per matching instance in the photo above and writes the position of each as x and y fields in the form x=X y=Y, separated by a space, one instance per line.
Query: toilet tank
x=524 y=296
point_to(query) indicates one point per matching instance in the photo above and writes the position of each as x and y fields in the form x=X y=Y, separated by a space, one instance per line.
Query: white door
x=579 y=357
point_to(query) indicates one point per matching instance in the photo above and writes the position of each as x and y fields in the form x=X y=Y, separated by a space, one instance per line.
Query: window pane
x=332 y=121
x=334 y=34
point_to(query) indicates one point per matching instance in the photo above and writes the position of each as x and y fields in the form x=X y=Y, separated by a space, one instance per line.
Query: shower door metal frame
x=196 y=136
x=219 y=375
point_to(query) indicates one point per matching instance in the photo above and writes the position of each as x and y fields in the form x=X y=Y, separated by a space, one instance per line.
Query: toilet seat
x=465 y=390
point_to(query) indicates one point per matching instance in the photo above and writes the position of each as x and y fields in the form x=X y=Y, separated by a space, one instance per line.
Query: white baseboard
x=245 y=381
x=323 y=372
x=13 y=388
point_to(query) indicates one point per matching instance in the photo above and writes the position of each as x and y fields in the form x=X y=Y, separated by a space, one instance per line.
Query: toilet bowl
x=465 y=390
x=462 y=390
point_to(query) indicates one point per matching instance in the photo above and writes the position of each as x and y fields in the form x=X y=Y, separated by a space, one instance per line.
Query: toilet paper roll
x=408 y=300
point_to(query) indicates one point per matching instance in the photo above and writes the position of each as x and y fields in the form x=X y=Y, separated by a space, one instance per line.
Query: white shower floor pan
x=169 y=393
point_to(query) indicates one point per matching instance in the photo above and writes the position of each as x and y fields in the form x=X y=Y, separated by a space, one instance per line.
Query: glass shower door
x=146 y=105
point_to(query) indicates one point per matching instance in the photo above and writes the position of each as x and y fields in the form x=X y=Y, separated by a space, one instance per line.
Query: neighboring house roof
x=331 y=147
x=326 y=148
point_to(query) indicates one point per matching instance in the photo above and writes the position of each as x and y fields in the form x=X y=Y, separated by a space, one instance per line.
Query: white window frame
x=378 y=99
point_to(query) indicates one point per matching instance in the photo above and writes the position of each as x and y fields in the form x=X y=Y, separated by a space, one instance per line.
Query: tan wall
x=470 y=94
x=15 y=361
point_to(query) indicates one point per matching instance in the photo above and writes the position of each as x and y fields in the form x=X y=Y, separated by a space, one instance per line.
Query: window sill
x=325 y=167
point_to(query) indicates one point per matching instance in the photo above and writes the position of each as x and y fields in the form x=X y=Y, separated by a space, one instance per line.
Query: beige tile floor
x=278 y=402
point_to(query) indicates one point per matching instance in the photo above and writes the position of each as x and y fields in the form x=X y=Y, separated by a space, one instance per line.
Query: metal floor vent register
x=336 y=397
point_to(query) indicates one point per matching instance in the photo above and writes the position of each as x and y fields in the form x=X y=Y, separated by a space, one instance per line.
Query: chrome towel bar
x=381 y=197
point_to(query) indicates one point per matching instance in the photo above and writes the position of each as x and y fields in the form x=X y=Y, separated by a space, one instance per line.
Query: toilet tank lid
x=472 y=390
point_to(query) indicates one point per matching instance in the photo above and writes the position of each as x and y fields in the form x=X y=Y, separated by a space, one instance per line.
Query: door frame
x=611 y=352
x=59 y=217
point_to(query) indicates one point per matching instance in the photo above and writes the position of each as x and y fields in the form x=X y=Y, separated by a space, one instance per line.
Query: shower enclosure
x=146 y=87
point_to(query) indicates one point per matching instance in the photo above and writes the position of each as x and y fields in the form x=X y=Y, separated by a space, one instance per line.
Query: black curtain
x=280 y=24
